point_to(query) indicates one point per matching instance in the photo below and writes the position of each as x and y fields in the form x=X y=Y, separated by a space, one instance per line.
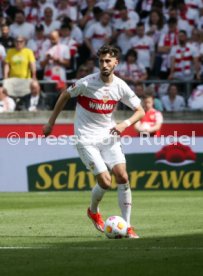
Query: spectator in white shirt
x=98 y=34
x=131 y=70
x=7 y=104
x=144 y=45
x=123 y=40
x=167 y=40
x=195 y=101
x=196 y=39
x=182 y=23
x=21 y=26
x=125 y=16
x=112 y=5
x=39 y=44
x=44 y=6
x=56 y=61
x=49 y=23
x=87 y=14
x=65 y=8
x=76 y=32
x=66 y=39
x=184 y=60
x=125 y=28
x=154 y=25
x=32 y=11
x=192 y=11
x=173 y=101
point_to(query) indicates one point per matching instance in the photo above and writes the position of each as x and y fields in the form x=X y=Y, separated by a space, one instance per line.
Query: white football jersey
x=98 y=34
x=144 y=47
x=96 y=103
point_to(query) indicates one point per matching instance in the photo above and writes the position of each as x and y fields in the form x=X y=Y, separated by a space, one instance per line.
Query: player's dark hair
x=109 y=49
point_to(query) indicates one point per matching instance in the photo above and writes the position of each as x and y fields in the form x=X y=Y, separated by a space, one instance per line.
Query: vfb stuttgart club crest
x=105 y=97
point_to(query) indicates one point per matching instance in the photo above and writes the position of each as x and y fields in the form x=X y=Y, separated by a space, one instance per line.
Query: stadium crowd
x=53 y=42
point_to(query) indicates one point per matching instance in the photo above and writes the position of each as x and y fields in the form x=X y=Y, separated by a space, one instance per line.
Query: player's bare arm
x=154 y=128
x=138 y=114
x=64 y=97
x=137 y=126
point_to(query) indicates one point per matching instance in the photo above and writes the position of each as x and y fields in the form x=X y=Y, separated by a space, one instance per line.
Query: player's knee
x=121 y=177
x=104 y=180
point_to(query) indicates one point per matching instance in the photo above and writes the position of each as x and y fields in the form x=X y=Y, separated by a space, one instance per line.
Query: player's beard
x=107 y=73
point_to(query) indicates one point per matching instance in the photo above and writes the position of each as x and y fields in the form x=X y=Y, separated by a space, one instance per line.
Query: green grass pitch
x=49 y=234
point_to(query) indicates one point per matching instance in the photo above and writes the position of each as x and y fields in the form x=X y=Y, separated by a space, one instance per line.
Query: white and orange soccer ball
x=115 y=227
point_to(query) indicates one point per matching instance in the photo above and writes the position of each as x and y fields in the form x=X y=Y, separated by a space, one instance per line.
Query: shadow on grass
x=177 y=255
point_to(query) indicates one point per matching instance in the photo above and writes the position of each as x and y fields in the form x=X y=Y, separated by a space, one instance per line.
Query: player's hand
x=114 y=131
x=47 y=129
x=118 y=129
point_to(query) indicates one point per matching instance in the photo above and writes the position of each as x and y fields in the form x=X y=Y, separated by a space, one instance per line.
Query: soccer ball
x=115 y=227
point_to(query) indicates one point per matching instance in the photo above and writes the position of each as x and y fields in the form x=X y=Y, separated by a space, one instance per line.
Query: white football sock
x=125 y=201
x=97 y=194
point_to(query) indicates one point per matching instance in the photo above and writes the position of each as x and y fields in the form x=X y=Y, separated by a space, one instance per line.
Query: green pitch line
x=49 y=234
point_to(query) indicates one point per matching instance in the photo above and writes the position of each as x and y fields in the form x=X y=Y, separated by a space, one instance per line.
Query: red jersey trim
x=97 y=105
x=99 y=36
x=191 y=5
x=142 y=47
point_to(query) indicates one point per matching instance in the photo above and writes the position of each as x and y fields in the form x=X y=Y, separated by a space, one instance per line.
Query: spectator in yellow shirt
x=19 y=69
x=20 y=61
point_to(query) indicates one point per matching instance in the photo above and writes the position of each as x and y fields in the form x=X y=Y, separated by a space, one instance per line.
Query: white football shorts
x=99 y=158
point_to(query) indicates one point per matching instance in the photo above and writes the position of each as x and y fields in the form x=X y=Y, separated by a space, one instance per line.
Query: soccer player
x=97 y=95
